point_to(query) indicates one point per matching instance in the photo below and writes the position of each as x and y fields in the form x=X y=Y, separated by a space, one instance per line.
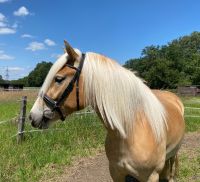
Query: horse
x=145 y=127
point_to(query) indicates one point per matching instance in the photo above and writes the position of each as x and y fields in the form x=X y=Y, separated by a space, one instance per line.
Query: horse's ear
x=64 y=50
x=71 y=53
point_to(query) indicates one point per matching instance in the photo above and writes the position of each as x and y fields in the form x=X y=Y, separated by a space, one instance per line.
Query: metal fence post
x=21 y=122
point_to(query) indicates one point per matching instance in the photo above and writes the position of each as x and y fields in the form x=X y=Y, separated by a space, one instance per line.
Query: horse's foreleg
x=154 y=177
x=116 y=175
x=173 y=168
x=170 y=170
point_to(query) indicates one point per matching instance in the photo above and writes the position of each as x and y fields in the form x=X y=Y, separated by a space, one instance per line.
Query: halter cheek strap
x=55 y=105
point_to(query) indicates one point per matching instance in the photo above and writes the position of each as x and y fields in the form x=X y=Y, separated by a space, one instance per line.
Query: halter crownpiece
x=55 y=105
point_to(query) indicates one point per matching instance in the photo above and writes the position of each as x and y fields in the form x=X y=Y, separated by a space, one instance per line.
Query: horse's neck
x=105 y=123
x=117 y=94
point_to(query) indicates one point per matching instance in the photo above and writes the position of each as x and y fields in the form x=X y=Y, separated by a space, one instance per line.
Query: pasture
x=44 y=154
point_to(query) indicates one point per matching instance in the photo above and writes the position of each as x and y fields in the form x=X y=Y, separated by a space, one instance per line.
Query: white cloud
x=16 y=72
x=2 y=24
x=49 y=42
x=4 y=27
x=2 y=20
x=35 y=46
x=15 y=25
x=4 y=1
x=22 y=11
x=56 y=55
x=5 y=57
x=15 y=69
x=27 y=36
x=2 y=17
x=6 y=30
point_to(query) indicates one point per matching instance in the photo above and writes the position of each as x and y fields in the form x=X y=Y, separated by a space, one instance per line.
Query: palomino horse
x=144 y=127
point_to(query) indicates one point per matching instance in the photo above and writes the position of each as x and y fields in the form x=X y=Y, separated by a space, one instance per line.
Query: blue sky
x=32 y=31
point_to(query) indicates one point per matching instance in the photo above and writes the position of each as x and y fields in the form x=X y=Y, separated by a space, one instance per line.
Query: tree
x=177 y=63
x=37 y=76
x=1 y=79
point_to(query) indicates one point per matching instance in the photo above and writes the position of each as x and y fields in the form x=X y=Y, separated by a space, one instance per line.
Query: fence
x=23 y=115
x=21 y=119
x=193 y=108
x=189 y=90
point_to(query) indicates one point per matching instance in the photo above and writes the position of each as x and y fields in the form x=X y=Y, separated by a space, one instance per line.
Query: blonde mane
x=118 y=95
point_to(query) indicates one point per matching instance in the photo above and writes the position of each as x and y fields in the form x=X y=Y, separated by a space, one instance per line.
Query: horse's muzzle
x=41 y=124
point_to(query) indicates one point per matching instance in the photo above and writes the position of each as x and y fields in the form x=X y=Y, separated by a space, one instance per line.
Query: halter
x=55 y=105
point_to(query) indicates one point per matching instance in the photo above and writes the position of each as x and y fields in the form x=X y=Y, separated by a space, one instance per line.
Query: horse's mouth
x=44 y=124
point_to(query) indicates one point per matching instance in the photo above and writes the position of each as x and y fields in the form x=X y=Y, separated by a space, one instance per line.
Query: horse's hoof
x=129 y=178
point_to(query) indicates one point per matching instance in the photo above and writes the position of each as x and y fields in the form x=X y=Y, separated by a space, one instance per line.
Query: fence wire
x=192 y=115
x=195 y=108
x=84 y=112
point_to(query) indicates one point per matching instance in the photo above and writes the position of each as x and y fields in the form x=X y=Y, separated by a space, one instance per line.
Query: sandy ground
x=95 y=169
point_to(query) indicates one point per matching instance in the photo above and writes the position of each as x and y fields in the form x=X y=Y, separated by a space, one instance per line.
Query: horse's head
x=62 y=91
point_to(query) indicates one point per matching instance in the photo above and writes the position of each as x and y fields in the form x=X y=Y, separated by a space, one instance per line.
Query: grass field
x=45 y=153
x=189 y=168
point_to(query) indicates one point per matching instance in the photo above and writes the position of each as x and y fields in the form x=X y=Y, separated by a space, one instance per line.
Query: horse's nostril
x=30 y=117
x=33 y=124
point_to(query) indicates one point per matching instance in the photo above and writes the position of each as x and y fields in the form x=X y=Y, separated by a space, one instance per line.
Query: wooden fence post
x=20 y=136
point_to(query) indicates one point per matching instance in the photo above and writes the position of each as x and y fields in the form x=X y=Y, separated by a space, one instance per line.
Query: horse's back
x=169 y=97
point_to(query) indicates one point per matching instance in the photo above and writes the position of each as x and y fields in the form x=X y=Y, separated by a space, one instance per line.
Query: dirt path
x=95 y=169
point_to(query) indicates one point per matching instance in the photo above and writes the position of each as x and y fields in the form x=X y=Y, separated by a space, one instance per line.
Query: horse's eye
x=59 y=79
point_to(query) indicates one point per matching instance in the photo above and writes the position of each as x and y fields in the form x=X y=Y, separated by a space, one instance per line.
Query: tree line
x=171 y=65
x=162 y=67
x=35 y=77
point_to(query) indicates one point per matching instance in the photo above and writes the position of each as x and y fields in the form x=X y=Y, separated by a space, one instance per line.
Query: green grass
x=192 y=123
x=189 y=169
x=189 y=164
x=28 y=161
x=46 y=153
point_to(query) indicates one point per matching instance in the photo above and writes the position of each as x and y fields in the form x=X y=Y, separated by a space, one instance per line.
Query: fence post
x=20 y=136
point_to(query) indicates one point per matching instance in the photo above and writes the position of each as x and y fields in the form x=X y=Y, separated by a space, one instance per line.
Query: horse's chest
x=129 y=159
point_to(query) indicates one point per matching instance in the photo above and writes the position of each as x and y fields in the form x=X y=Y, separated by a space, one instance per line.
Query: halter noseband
x=55 y=105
